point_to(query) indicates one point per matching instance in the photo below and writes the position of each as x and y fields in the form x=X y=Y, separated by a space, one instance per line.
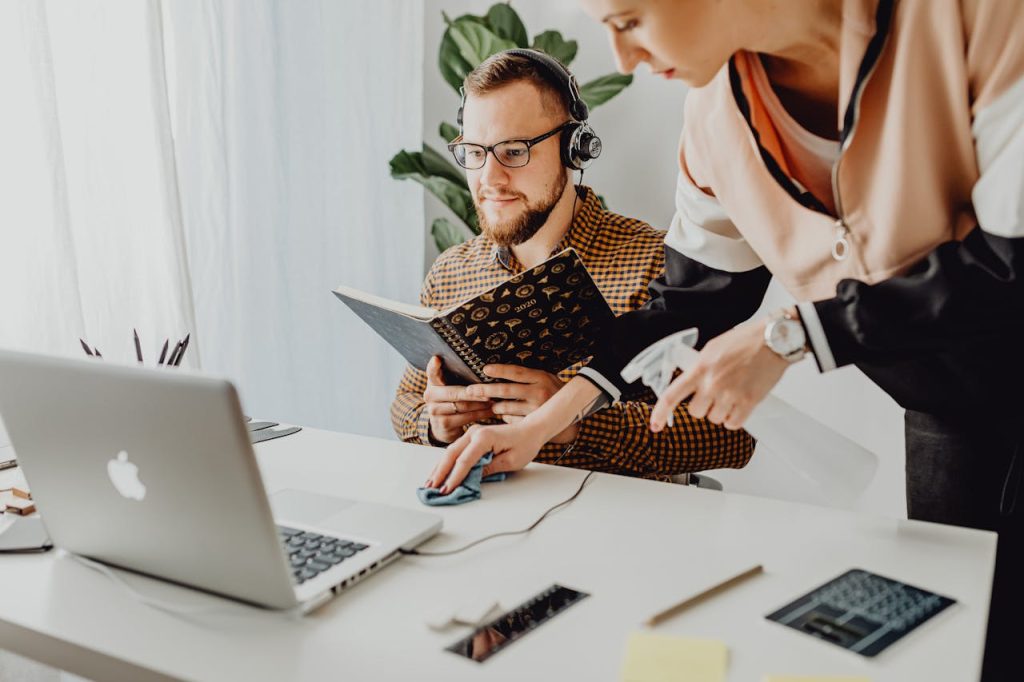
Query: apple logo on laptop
x=125 y=477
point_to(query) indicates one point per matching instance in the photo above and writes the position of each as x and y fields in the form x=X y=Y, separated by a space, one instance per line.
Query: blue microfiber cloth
x=467 y=492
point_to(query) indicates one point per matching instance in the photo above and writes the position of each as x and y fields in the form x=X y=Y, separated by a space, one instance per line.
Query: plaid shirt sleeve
x=618 y=439
x=408 y=414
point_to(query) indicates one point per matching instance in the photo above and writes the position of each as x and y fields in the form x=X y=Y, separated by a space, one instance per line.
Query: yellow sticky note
x=669 y=658
x=814 y=678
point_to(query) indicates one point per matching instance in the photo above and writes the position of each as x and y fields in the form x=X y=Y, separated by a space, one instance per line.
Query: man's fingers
x=434 y=376
x=678 y=391
x=504 y=391
x=456 y=407
x=455 y=421
x=462 y=406
x=512 y=418
x=523 y=375
x=449 y=394
x=519 y=408
x=442 y=394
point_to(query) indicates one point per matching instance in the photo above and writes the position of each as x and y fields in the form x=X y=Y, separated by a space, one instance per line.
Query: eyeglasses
x=510 y=153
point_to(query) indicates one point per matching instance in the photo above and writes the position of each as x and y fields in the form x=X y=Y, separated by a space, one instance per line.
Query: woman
x=870 y=155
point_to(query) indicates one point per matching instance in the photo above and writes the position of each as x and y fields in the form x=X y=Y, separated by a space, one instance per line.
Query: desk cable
x=416 y=552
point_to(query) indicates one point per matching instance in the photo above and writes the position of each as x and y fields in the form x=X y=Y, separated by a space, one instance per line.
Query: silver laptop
x=152 y=470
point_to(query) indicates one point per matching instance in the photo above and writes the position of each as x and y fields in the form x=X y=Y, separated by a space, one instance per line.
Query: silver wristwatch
x=785 y=336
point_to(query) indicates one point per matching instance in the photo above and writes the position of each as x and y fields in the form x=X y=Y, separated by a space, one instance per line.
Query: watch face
x=786 y=336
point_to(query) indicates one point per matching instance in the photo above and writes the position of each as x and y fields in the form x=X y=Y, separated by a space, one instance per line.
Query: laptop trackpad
x=301 y=506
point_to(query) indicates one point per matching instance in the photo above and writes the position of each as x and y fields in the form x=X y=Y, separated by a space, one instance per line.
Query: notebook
x=544 y=318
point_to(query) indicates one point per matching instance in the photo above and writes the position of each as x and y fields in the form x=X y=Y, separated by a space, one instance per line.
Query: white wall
x=636 y=174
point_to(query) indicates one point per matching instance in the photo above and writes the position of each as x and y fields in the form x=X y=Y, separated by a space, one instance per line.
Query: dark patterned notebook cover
x=546 y=318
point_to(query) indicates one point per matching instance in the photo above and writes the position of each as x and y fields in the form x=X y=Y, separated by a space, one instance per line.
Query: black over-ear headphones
x=579 y=143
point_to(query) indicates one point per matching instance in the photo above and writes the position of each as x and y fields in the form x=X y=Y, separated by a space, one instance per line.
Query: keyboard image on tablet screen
x=861 y=611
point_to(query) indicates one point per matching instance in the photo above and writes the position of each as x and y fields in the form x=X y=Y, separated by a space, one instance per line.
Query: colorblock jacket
x=916 y=272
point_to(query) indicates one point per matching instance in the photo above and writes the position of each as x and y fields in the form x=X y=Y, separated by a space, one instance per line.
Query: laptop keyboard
x=310 y=554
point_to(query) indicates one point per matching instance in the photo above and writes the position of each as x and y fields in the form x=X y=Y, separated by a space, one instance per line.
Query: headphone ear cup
x=567 y=149
x=580 y=146
x=590 y=145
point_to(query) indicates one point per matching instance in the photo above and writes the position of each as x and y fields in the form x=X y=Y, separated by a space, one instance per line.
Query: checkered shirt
x=623 y=255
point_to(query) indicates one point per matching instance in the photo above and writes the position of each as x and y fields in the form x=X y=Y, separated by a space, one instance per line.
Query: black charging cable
x=416 y=552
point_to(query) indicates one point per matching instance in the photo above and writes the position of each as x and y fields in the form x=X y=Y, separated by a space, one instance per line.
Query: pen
x=174 y=354
x=184 y=345
x=163 y=353
x=138 y=346
x=702 y=596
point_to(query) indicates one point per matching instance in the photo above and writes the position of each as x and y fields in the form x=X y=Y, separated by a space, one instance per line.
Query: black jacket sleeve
x=960 y=294
x=690 y=294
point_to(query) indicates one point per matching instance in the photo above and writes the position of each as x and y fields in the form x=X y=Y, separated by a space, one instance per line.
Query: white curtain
x=213 y=167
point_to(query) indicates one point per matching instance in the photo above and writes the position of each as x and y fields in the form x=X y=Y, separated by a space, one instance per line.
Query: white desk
x=635 y=546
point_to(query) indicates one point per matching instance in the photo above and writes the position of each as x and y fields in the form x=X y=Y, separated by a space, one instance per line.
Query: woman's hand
x=514 y=446
x=733 y=373
x=522 y=393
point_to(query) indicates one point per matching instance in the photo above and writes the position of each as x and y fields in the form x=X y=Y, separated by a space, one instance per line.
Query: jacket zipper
x=841 y=243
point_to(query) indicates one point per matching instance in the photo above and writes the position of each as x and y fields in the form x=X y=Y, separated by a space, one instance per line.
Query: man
x=519 y=143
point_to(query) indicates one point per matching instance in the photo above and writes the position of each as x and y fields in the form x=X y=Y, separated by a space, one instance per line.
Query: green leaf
x=506 y=24
x=447 y=131
x=453 y=67
x=439 y=164
x=476 y=42
x=556 y=46
x=439 y=177
x=425 y=166
x=464 y=17
x=446 y=235
x=600 y=90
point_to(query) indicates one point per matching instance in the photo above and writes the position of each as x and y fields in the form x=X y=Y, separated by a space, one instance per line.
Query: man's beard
x=519 y=229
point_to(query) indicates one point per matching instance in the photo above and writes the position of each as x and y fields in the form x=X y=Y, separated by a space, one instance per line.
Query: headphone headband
x=577 y=107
